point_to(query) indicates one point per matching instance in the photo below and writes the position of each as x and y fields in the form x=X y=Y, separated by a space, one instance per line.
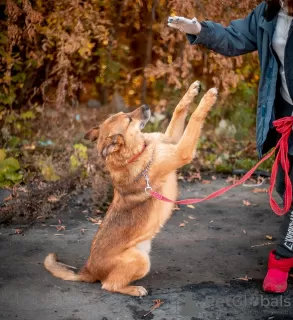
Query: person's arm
x=236 y=39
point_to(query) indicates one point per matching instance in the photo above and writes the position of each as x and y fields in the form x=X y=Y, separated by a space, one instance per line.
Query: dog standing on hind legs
x=120 y=249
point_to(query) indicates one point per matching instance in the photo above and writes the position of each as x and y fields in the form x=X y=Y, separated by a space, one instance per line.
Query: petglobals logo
x=191 y=306
x=249 y=300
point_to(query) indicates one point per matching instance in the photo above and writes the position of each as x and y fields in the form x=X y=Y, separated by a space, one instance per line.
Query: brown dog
x=120 y=249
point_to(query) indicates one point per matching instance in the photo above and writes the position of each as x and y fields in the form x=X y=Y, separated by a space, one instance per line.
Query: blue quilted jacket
x=252 y=33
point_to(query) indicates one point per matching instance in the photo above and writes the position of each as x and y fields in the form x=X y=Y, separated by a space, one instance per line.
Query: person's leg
x=281 y=260
x=285 y=243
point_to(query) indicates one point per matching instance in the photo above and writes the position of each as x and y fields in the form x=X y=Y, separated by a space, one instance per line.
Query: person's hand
x=191 y=26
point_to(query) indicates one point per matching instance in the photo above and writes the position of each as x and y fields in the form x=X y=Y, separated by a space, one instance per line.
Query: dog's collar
x=144 y=171
x=135 y=157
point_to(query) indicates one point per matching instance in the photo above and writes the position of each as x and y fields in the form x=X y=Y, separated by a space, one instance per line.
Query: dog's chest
x=144 y=247
x=163 y=210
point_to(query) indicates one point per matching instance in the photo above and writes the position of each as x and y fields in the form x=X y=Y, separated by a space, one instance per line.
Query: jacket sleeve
x=238 y=38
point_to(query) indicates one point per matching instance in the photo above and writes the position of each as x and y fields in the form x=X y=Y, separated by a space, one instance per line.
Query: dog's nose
x=145 y=107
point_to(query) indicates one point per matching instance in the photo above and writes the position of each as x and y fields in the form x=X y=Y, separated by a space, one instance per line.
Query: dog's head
x=121 y=133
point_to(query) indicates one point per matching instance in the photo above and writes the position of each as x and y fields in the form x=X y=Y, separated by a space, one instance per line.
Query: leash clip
x=148 y=187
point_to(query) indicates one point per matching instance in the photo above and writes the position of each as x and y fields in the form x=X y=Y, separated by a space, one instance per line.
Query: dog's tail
x=62 y=271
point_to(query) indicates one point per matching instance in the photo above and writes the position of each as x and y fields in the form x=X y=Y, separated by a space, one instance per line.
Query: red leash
x=284 y=127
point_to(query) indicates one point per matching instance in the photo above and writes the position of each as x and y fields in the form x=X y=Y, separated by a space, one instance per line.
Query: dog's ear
x=112 y=144
x=92 y=134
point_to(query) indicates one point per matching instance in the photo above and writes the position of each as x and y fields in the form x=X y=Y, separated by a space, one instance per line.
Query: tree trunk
x=149 y=46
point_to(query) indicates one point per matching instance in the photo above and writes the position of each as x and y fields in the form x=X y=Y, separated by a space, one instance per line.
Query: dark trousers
x=285 y=241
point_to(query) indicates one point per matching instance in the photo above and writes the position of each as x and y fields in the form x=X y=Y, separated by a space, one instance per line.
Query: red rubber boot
x=277 y=275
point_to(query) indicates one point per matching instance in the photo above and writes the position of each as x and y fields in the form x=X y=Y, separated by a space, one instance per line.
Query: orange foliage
x=124 y=45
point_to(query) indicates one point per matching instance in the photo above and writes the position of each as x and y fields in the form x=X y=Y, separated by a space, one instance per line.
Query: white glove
x=185 y=25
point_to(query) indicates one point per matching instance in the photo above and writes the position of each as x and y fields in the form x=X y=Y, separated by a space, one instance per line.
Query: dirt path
x=194 y=267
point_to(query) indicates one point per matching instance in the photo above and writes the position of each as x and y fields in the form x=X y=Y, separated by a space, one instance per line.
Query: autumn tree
x=52 y=49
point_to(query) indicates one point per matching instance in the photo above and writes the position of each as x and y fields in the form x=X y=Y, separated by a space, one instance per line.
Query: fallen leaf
x=260 y=180
x=211 y=221
x=229 y=179
x=60 y=228
x=191 y=217
x=95 y=221
x=18 y=231
x=232 y=180
x=244 y=279
x=259 y=190
x=269 y=237
x=59 y=221
x=182 y=225
x=8 y=198
x=244 y=231
x=157 y=304
x=196 y=175
x=53 y=199
x=214 y=177
x=22 y=189
x=246 y=203
x=191 y=206
x=29 y=147
x=206 y=182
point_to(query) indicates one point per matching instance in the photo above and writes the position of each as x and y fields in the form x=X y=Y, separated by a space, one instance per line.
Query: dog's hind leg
x=176 y=126
x=131 y=266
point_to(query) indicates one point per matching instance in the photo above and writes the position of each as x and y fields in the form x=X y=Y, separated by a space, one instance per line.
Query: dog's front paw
x=211 y=96
x=136 y=291
x=194 y=89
